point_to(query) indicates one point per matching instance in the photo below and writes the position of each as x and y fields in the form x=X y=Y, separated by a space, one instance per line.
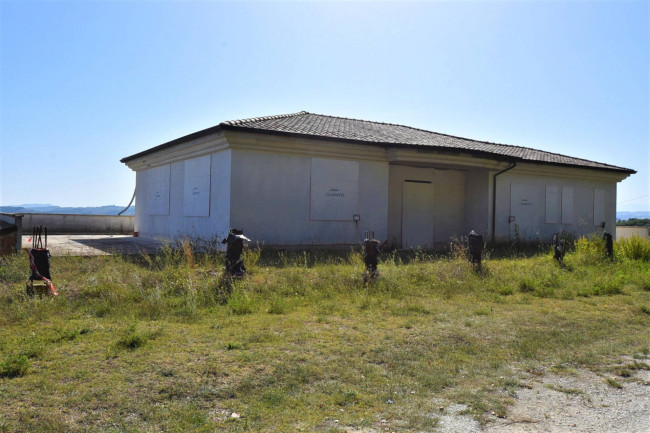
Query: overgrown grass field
x=155 y=343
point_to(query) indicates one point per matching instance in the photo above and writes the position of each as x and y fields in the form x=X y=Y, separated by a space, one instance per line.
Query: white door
x=526 y=209
x=417 y=214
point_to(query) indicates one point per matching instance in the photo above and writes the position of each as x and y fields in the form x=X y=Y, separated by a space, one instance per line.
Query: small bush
x=234 y=346
x=251 y=256
x=347 y=398
x=32 y=347
x=613 y=383
x=14 y=268
x=608 y=287
x=278 y=306
x=134 y=338
x=633 y=248
x=527 y=285
x=14 y=366
x=544 y=292
x=241 y=303
x=505 y=290
x=589 y=251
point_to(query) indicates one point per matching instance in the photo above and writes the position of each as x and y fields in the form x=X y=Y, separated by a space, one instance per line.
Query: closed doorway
x=417 y=214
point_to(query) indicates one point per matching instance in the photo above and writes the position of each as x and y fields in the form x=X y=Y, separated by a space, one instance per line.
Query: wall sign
x=334 y=189
x=196 y=186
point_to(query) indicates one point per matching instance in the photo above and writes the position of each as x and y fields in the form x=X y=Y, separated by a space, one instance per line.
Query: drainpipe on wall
x=494 y=197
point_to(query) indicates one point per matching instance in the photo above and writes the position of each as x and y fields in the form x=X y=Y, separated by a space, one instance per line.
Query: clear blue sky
x=84 y=84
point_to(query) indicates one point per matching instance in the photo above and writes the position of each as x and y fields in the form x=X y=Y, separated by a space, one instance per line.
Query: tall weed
x=589 y=250
x=14 y=366
x=633 y=248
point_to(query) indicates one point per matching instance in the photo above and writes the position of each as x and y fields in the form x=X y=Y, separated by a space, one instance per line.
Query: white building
x=309 y=179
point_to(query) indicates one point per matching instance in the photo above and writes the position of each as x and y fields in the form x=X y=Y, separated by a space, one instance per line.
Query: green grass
x=613 y=383
x=159 y=343
x=569 y=391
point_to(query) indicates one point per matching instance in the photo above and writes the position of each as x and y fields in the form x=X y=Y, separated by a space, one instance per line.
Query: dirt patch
x=577 y=400
x=580 y=401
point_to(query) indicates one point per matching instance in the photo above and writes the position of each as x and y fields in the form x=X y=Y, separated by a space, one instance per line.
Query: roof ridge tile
x=261 y=119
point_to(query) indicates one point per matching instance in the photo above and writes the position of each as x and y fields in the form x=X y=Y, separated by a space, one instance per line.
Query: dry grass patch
x=147 y=344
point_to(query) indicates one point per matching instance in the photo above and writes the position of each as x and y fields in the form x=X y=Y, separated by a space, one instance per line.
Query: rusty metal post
x=558 y=248
x=609 y=244
x=370 y=252
x=234 y=247
x=475 y=244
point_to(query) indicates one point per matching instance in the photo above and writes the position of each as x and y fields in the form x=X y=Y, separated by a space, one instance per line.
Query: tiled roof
x=340 y=128
x=304 y=124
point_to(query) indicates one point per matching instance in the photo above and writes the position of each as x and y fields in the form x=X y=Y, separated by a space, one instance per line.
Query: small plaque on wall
x=334 y=189
x=196 y=187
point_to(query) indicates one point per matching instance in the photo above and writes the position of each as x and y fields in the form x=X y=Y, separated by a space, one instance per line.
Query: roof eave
x=488 y=155
x=172 y=143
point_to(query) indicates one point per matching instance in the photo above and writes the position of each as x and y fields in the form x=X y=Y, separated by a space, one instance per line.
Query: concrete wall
x=530 y=218
x=175 y=223
x=75 y=223
x=17 y=220
x=271 y=201
x=449 y=201
x=629 y=231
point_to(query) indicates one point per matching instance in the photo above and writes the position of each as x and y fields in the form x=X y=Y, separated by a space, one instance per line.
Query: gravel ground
x=582 y=401
x=576 y=401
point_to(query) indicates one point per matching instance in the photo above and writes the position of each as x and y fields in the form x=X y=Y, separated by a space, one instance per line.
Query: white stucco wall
x=477 y=201
x=531 y=219
x=262 y=184
x=175 y=223
x=271 y=200
x=449 y=201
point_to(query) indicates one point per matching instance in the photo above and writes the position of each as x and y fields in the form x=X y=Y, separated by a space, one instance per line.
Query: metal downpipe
x=128 y=205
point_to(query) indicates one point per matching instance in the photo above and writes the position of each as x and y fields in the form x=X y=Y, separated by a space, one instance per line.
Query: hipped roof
x=340 y=129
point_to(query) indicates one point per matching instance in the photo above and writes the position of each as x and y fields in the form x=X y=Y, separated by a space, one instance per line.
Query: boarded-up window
x=196 y=189
x=599 y=206
x=567 y=205
x=552 y=204
x=334 y=189
x=158 y=190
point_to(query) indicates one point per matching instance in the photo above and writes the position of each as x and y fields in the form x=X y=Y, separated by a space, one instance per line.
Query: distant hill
x=628 y=215
x=48 y=208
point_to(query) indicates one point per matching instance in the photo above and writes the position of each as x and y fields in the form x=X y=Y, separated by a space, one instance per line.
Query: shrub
x=278 y=305
x=251 y=256
x=608 y=287
x=134 y=338
x=633 y=248
x=590 y=250
x=241 y=303
x=14 y=268
x=527 y=285
x=14 y=366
